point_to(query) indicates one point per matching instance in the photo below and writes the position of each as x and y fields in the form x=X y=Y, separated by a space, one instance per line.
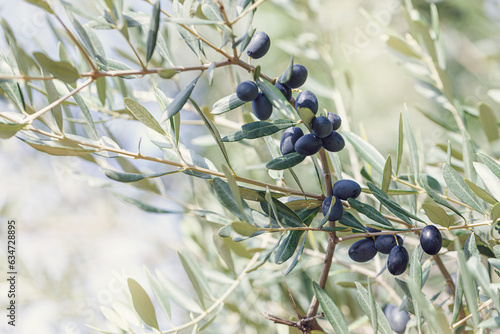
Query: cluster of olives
x=365 y=249
x=342 y=190
x=248 y=91
x=323 y=128
x=397 y=261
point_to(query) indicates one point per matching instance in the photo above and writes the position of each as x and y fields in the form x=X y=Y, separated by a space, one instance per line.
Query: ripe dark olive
x=385 y=243
x=397 y=319
x=289 y=138
x=335 y=119
x=397 y=260
x=308 y=145
x=307 y=99
x=337 y=208
x=261 y=107
x=431 y=240
x=247 y=91
x=363 y=250
x=334 y=142
x=346 y=189
x=321 y=126
x=299 y=76
x=285 y=90
x=259 y=45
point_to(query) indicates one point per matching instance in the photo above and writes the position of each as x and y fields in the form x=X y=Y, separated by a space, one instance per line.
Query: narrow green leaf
x=243 y=228
x=276 y=98
x=410 y=306
x=176 y=294
x=469 y=156
x=458 y=187
x=212 y=11
x=492 y=164
x=372 y=310
x=114 y=318
x=132 y=177
x=259 y=129
x=369 y=211
x=400 y=46
x=61 y=70
x=9 y=129
x=154 y=25
x=437 y=215
x=13 y=91
x=386 y=178
x=437 y=198
x=142 y=304
x=470 y=290
x=233 y=186
x=366 y=151
x=286 y=161
x=287 y=247
x=488 y=121
x=287 y=74
x=145 y=207
x=400 y=143
x=227 y=199
x=412 y=142
x=332 y=312
x=495 y=212
x=297 y=257
x=143 y=116
x=53 y=95
x=210 y=71
x=481 y=276
x=180 y=99
x=348 y=219
x=159 y=291
x=54 y=147
x=491 y=181
x=196 y=276
x=416 y=267
x=213 y=131
x=392 y=205
x=459 y=294
x=42 y=4
x=226 y=104
x=481 y=193
x=86 y=114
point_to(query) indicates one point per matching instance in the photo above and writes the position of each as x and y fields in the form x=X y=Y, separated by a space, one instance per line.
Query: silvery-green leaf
x=259 y=129
x=332 y=312
x=458 y=187
x=153 y=31
x=369 y=153
x=142 y=304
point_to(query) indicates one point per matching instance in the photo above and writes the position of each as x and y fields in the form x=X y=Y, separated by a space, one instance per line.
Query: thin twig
x=57 y=102
x=482 y=307
x=78 y=45
x=248 y=10
x=332 y=242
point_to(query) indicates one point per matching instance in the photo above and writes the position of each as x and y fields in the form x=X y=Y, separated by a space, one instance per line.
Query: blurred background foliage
x=78 y=243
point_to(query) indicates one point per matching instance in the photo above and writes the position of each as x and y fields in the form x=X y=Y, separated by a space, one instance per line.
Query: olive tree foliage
x=258 y=249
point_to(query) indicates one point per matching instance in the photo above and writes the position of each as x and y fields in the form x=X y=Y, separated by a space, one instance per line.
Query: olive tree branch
x=140 y=156
x=332 y=242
